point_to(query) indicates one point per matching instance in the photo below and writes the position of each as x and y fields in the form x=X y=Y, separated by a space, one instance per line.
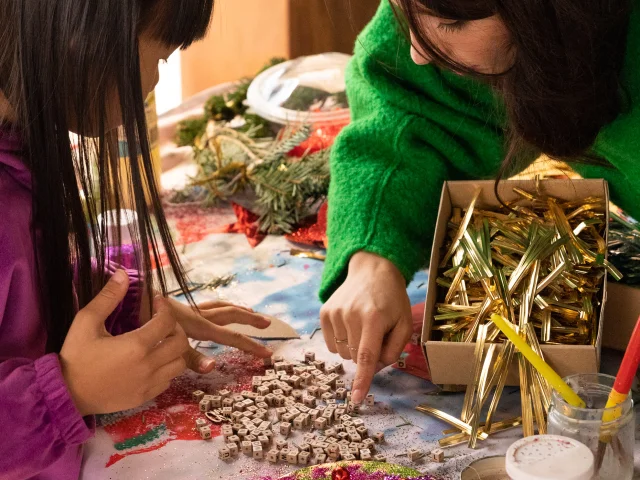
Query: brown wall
x=245 y=34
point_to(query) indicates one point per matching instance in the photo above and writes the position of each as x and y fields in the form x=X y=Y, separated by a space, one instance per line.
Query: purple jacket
x=41 y=431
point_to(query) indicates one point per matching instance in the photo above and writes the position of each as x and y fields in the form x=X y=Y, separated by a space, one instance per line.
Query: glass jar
x=585 y=424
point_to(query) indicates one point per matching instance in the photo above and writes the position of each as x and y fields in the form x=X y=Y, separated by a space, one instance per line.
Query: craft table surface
x=157 y=440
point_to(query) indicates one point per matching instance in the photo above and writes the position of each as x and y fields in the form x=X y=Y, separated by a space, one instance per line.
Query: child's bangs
x=451 y=9
x=177 y=23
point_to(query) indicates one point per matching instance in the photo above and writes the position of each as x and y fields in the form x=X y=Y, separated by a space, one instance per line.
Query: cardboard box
x=620 y=315
x=450 y=363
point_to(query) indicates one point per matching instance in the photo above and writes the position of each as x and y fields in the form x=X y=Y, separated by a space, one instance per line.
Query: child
x=461 y=90
x=74 y=340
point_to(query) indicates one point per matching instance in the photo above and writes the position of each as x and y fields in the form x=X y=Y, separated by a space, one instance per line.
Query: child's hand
x=107 y=374
x=209 y=326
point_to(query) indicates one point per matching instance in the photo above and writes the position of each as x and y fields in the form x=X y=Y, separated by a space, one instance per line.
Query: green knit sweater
x=415 y=127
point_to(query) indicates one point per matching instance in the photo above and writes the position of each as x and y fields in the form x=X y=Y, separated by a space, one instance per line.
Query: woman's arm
x=413 y=127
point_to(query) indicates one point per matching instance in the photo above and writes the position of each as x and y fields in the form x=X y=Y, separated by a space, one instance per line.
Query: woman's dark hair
x=564 y=84
x=60 y=61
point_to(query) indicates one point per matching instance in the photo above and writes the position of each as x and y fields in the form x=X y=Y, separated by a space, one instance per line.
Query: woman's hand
x=208 y=325
x=368 y=319
x=106 y=374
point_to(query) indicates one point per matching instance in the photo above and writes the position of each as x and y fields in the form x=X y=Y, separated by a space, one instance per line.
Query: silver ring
x=341 y=341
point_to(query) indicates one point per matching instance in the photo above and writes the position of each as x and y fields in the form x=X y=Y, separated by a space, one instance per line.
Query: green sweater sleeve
x=413 y=127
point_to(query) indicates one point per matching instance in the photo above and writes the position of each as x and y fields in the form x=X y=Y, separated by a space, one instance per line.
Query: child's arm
x=38 y=418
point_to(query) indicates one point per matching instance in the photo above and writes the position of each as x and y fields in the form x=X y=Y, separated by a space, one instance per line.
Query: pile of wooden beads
x=292 y=397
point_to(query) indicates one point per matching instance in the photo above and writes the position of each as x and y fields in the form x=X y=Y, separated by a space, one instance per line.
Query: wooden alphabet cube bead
x=414 y=454
x=378 y=437
x=354 y=437
x=292 y=456
x=303 y=408
x=438 y=455
x=264 y=440
x=201 y=422
x=298 y=423
x=343 y=436
x=280 y=444
x=273 y=456
x=234 y=439
x=330 y=432
x=280 y=367
x=340 y=383
x=246 y=447
x=380 y=458
x=320 y=423
x=280 y=411
x=369 y=400
x=303 y=458
x=226 y=430
x=353 y=408
x=319 y=364
x=305 y=378
x=358 y=422
x=258 y=452
x=310 y=357
x=370 y=444
x=238 y=407
x=283 y=453
x=286 y=390
x=327 y=396
x=224 y=393
x=297 y=395
x=233 y=449
x=349 y=457
x=205 y=433
x=227 y=402
x=309 y=401
x=197 y=396
x=295 y=381
x=402 y=363
x=363 y=431
x=205 y=405
x=224 y=453
x=251 y=437
x=262 y=390
x=321 y=458
x=341 y=393
x=265 y=425
x=216 y=401
x=365 y=455
x=314 y=414
x=285 y=428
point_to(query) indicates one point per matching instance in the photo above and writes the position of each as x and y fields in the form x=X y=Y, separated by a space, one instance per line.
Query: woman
x=458 y=90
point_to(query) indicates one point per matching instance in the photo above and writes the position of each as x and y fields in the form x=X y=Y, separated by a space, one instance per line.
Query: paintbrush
x=620 y=392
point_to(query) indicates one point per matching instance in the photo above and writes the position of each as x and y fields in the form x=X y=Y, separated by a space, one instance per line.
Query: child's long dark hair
x=60 y=61
x=564 y=84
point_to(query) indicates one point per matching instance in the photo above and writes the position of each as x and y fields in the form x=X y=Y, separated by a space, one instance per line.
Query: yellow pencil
x=538 y=363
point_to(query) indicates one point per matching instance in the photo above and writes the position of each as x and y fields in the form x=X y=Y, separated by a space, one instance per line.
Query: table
x=158 y=440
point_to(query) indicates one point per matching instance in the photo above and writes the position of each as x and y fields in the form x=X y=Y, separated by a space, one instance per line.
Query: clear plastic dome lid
x=307 y=90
